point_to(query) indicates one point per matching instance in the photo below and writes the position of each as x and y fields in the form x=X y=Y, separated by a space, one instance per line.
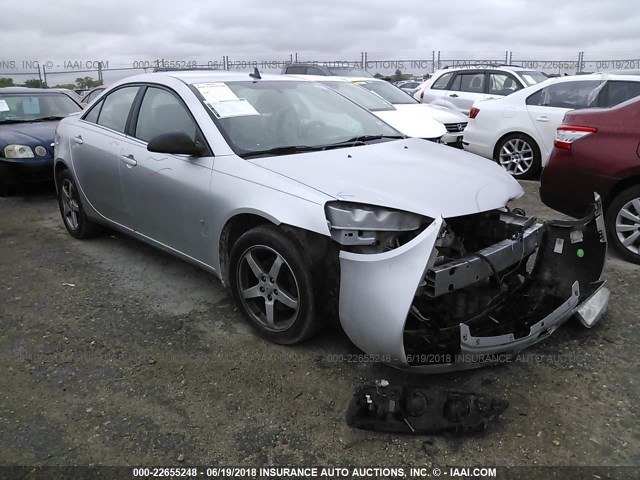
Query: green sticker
x=580 y=253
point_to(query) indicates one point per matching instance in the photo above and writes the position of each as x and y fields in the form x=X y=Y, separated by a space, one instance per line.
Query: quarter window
x=162 y=112
x=92 y=115
x=116 y=107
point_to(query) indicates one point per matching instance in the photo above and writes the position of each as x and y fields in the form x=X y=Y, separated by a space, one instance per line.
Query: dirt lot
x=115 y=353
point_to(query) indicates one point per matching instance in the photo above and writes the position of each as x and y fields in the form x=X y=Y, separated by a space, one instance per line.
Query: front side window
x=162 y=112
x=469 y=82
x=502 y=84
x=258 y=117
x=115 y=108
x=578 y=94
x=441 y=83
x=30 y=107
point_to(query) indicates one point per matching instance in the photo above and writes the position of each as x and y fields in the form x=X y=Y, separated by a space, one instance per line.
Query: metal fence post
x=44 y=73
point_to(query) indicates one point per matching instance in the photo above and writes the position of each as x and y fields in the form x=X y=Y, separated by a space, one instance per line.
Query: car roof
x=202 y=76
x=318 y=78
x=5 y=90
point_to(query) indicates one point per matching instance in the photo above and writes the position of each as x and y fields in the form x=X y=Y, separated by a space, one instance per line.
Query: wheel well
x=232 y=231
x=619 y=187
x=511 y=134
x=59 y=168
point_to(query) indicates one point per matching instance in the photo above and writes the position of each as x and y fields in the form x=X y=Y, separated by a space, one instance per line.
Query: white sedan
x=454 y=121
x=412 y=123
x=518 y=131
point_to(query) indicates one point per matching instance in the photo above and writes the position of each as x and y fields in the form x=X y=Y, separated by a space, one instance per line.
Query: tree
x=34 y=83
x=378 y=75
x=86 y=82
x=6 y=82
x=68 y=86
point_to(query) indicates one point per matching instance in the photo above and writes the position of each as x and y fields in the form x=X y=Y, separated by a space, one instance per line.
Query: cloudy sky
x=123 y=31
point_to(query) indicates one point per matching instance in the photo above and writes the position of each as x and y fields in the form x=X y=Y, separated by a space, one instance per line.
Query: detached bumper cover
x=378 y=291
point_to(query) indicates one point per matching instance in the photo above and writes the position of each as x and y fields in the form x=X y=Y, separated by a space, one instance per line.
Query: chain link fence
x=417 y=64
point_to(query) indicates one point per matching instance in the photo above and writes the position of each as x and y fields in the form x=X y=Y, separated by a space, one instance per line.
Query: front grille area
x=455 y=127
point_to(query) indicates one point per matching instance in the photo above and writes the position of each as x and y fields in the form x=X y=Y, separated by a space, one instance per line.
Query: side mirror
x=176 y=143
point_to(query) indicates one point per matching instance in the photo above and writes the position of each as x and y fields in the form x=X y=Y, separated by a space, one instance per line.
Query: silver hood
x=412 y=175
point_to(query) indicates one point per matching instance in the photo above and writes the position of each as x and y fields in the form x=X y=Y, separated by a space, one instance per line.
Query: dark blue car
x=28 y=121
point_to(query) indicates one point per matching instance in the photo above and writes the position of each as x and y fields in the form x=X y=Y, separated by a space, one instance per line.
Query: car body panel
x=409 y=175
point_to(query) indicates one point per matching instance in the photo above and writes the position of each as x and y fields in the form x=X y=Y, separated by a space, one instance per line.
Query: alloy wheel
x=628 y=225
x=70 y=204
x=268 y=288
x=516 y=156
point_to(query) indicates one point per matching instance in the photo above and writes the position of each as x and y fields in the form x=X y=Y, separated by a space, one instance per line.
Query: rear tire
x=623 y=223
x=519 y=155
x=73 y=215
x=271 y=278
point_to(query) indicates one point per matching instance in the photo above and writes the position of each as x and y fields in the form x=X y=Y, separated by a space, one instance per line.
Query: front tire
x=271 y=278
x=519 y=155
x=623 y=224
x=73 y=215
x=7 y=180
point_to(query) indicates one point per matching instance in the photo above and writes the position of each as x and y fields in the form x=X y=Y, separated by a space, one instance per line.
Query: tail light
x=421 y=96
x=473 y=113
x=567 y=134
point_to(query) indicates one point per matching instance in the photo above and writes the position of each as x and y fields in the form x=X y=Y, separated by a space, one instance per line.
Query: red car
x=599 y=150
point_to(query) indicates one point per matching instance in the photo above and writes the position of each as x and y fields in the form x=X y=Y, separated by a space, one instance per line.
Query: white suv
x=458 y=88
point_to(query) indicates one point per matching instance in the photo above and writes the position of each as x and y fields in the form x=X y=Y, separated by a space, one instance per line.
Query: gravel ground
x=114 y=353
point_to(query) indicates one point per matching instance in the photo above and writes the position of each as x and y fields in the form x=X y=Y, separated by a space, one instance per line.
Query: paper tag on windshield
x=215 y=92
x=3 y=106
x=233 y=108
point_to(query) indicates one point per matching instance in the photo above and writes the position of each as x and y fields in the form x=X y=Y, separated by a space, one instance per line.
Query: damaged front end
x=473 y=290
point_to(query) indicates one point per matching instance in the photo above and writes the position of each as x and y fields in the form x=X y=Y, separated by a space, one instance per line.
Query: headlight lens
x=18 y=151
x=376 y=228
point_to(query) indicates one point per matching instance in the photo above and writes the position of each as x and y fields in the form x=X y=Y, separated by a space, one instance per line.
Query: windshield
x=531 y=77
x=26 y=107
x=348 y=72
x=361 y=96
x=257 y=117
x=387 y=91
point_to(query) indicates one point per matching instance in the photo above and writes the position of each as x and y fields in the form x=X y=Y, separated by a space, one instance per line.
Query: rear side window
x=621 y=91
x=115 y=108
x=469 y=82
x=162 y=112
x=567 y=95
x=441 y=83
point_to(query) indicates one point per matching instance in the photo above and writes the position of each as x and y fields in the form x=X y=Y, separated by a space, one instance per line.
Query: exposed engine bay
x=498 y=277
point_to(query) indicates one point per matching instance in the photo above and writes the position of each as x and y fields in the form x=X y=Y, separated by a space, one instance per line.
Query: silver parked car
x=308 y=206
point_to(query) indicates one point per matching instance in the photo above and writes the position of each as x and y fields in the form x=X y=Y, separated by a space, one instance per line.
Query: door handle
x=78 y=139
x=543 y=118
x=454 y=95
x=129 y=160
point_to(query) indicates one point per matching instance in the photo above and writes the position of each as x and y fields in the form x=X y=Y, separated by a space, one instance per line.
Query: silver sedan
x=307 y=206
